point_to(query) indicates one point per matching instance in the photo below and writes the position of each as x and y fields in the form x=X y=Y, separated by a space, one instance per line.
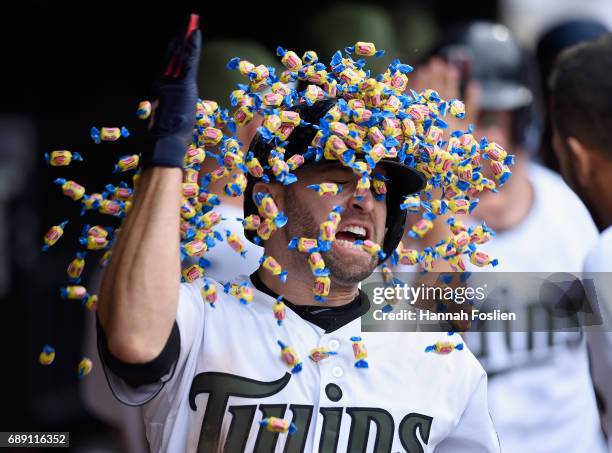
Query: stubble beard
x=344 y=272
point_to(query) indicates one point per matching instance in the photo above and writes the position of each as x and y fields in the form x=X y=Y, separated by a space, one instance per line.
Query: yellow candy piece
x=194 y=156
x=71 y=189
x=144 y=110
x=209 y=292
x=127 y=163
x=211 y=136
x=53 y=235
x=192 y=273
x=91 y=302
x=47 y=355
x=366 y=49
x=62 y=158
x=84 y=367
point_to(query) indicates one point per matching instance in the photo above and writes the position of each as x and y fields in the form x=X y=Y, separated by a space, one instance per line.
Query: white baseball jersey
x=229 y=376
x=540 y=390
x=226 y=263
x=597 y=267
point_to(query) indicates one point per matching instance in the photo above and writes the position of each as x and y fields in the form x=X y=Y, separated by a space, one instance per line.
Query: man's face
x=588 y=193
x=364 y=219
x=496 y=125
x=563 y=154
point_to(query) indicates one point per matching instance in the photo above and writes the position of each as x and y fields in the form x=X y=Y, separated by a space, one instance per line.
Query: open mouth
x=348 y=234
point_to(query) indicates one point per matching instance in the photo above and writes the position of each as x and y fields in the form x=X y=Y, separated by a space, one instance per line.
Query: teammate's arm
x=140 y=288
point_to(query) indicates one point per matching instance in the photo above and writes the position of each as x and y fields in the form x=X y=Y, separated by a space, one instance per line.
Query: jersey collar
x=329 y=319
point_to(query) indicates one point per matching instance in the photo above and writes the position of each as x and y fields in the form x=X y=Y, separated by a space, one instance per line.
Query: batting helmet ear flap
x=395 y=230
x=404 y=181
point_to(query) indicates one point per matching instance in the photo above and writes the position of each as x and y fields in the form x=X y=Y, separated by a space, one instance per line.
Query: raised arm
x=140 y=288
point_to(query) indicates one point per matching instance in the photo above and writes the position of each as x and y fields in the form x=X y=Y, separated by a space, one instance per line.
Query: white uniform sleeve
x=190 y=322
x=597 y=269
x=600 y=353
x=475 y=432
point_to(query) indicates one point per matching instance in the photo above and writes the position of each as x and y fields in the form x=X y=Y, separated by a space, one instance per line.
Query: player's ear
x=272 y=189
x=583 y=160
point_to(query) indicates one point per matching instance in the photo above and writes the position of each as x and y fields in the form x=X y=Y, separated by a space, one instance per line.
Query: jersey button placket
x=331 y=368
x=333 y=345
x=337 y=372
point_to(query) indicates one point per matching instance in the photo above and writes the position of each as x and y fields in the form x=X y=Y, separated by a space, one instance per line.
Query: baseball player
x=580 y=88
x=212 y=378
x=532 y=408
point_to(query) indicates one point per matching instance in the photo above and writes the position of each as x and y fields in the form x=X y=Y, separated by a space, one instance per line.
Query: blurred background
x=68 y=66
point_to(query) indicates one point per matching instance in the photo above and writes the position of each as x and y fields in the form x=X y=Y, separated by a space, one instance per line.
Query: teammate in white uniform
x=582 y=130
x=208 y=375
x=598 y=268
x=538 y=381
x=525 y=368
x=216 y=82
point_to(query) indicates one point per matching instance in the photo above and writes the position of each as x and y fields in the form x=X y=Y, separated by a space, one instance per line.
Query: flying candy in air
x=209 y=292
x=47 y=355
x=321 y=353
x=53 y=235
x=290 y=357
x=144 y=110
x=278 y=425
x=62 y=158
x=444 y=347
x=108 y=134
x=360 y=352
x=84 y=368
x=279 y=310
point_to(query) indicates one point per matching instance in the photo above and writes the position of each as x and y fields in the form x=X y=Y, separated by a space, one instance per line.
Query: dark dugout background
x=67 y=66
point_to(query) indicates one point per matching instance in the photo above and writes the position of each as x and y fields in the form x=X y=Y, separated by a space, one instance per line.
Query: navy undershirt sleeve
x=137 y=374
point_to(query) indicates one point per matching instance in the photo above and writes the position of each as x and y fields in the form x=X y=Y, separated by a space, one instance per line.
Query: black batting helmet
x=403 y=179
x=508 y=77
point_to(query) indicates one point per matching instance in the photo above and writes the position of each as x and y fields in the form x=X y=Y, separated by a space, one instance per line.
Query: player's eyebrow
x=335 y=169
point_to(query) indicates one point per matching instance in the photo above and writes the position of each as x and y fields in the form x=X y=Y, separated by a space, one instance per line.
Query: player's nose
x=362 y=201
